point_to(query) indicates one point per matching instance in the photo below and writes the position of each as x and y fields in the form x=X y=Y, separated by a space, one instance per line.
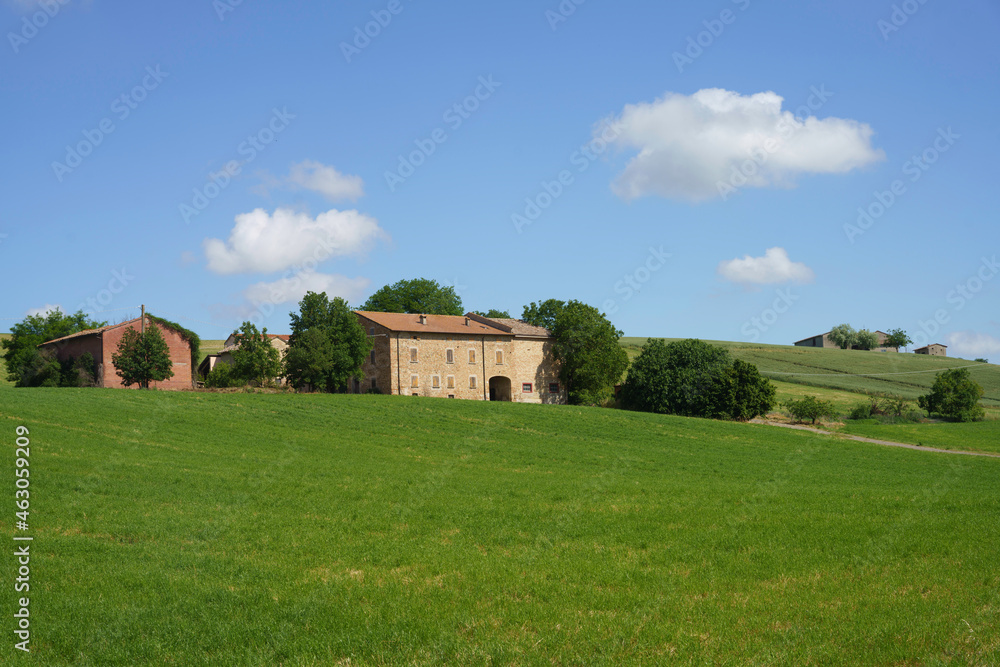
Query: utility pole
x=142 y=326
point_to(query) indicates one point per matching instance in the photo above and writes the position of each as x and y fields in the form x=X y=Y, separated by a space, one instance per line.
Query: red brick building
x=103 y=343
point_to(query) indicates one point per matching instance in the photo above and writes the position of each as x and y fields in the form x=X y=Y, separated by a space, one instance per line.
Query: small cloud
x=773 y=267
x=316 y=177
x=689 y=144
x=971 y=344
x=44 y=310
x=261 y=242
x=290 y=290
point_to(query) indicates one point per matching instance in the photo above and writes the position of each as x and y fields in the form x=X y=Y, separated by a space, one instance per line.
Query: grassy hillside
x=194 y=528
x=907 y=375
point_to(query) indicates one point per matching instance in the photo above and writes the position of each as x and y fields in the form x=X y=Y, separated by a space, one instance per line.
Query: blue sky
x=213 y=160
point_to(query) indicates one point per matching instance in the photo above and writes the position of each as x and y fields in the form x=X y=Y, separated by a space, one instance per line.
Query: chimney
x=423 y=319
x=466 y=321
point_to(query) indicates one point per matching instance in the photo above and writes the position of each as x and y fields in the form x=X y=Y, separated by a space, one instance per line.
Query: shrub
x=223 y=377
x=954 y=395
x=880 y=406
x=810 y=408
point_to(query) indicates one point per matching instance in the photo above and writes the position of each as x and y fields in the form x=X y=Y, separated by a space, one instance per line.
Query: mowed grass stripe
x=265 y=529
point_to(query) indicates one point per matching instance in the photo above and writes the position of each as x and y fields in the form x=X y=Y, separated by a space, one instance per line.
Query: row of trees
x=847 y=338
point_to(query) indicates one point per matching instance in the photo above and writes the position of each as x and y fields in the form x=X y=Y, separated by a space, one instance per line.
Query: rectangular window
x=472 y=382
x=472 y=356
x=449 y=356
x=413 y=355
x=371 y=331
x=500 y=357
x=414 y=381
x=436 y=382
x=371 y=356
x=451 y=381
x=374 y=383
x=553 y=387
x=451 y=395
x=526 y=388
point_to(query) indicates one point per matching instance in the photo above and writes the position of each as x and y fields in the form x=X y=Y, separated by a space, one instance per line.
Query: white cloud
x=773 y=267
x=335 y=186
x=690 y=145
x=970 y=344
x=44 y=310
x=317 y=177
x=262 y=243
x=293 y=288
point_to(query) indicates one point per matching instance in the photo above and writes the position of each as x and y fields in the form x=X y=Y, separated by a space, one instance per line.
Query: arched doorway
x=499 y=388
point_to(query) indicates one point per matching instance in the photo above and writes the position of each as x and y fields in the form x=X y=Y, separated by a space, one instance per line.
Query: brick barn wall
x=180 y=356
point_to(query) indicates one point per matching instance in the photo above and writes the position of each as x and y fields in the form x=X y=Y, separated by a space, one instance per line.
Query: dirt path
x=887 y=443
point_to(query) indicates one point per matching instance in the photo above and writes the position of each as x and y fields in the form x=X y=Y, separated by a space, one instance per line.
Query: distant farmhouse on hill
x=470 y=357
x=823 y=340
x=934 y=349
x=103 y=343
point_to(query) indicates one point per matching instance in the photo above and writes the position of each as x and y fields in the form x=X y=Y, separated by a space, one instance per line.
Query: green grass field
x=223 y=529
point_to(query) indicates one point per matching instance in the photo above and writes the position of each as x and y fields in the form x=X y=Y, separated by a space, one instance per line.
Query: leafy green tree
x=590 y=358
x=420 y=295
x=21 y=352
x=695 y=379
x=810 y=408
x=493 y=313
x=222 y=377
x=142 y=357
x=844 y=336
x=898 y=338
x=982 y=361
x=328 y=344
x=954 y=395
x=865 y=340
x=255 y=361
x=747 y=394
x=543 y=313
x=41 y=369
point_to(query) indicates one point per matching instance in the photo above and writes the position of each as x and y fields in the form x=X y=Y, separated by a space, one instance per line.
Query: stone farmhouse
x=934 y=349
x=470 y=357
x=279 y=341
x=103 y=343
x=823 y=340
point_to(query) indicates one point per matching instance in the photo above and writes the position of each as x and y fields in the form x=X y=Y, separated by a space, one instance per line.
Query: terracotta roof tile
x=446 y=324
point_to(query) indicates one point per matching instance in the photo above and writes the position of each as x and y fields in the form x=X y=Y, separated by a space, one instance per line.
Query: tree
x=543 y=313
x=954 y=395
x=695 y=379
x=142 y=357
x=865 y=340
x=843 y=335
x=222 y=377
x=327 y=345
x=415 y=296
x=810 y=408
x=982 y=361
x=255 y=361
x=590 y=358
x=898 y=338
x=21 y=352
x=493 y=313
x=747 y=393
